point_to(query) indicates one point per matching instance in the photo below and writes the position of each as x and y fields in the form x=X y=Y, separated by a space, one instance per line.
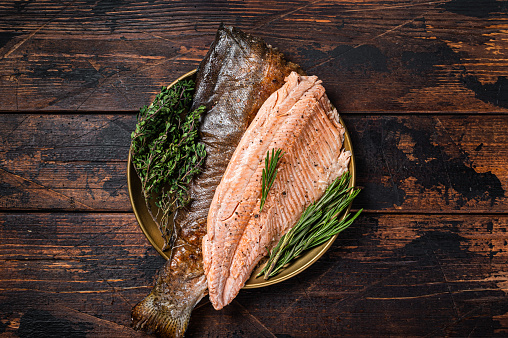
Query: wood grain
x=96 y=265
x=431 y=164
x=114 y=56
x=418 y=163
x=429 y=274
x=66 y=162
x=421 y=85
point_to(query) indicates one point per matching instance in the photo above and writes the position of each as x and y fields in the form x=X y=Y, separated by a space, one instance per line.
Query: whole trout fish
x=237 y=75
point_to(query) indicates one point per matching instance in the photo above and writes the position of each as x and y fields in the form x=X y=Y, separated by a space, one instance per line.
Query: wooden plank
x=405 y=275
x=421 y=86
x=431 y=164
x=405 y=163
x=98 y=266
x=405 y=55
x=65 y=161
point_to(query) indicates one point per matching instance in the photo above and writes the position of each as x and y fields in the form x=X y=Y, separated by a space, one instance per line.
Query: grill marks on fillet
x=245 y=188
x=262 y=130
x=300 y=120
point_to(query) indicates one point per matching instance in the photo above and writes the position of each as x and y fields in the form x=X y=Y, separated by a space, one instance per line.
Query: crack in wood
x=283 y=15
x=19 y=177
x=32 y=34
x=368 y=41
x=253 y=318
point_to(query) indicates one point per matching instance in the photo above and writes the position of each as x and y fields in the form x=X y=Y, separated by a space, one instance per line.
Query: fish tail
x=151 y=317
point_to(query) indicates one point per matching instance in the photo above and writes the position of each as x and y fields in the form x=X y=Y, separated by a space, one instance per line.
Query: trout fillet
x=299 y=119
x=237 y=75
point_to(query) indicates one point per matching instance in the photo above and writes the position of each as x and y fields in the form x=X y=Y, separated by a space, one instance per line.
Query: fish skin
x=237 y=75
x=300 y=120
x=180 y=279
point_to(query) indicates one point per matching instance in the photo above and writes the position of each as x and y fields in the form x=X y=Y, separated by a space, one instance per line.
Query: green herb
x=318 y=223
x=269 y=173
x=166 y=153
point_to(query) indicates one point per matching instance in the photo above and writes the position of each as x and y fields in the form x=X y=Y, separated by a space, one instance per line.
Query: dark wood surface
x=421 y=85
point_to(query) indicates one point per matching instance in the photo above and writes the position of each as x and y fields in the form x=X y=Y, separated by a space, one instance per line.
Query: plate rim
x=319 y=250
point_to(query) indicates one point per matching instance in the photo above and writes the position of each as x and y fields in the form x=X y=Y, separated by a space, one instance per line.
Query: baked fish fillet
x=237 y=75
x=299 y=119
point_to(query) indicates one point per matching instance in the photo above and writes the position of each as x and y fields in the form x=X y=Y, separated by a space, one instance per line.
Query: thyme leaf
x=269 y=173
x=166 y=153
x=319 y=222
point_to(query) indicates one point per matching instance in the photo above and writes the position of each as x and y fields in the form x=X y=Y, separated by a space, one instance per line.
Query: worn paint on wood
x=422 y=87
x=408 y=163
x=400 y=55
x=69 y=162
x=429 y=274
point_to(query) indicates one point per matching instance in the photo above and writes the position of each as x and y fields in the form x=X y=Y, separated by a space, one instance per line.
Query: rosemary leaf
x=269 y=173
x=318 y=223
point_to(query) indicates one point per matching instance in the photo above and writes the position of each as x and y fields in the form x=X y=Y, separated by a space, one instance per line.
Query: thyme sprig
x=269 y=173
x=166 y=153
x=318 y=223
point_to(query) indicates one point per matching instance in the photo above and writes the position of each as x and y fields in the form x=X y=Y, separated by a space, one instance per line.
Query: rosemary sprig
x=166 y=153
x=269 y=173
x=318 y=223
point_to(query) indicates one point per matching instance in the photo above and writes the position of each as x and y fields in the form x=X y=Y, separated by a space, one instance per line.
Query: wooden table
x=421 y=85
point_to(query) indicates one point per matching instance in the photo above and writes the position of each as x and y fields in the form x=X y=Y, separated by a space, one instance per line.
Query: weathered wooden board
x=422 y=87
x=431 y=164
x=66 y=162
x=410 y=275
x=405 y=163
x=373 y=56
x=92 y=265
x=387 y=275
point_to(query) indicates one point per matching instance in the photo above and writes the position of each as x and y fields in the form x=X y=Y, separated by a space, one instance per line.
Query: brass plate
x=152 y=233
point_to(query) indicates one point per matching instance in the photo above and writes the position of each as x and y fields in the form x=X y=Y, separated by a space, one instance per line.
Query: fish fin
x=151 y=317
